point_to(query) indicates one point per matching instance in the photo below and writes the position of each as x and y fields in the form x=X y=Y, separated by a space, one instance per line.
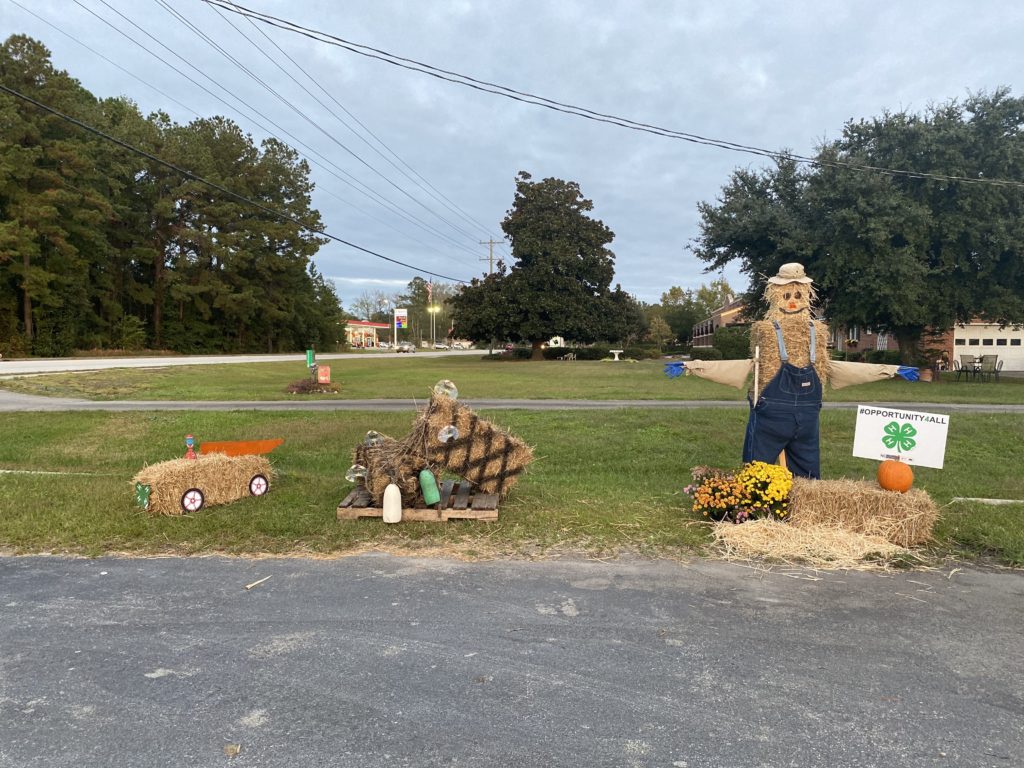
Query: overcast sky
x=773 y=75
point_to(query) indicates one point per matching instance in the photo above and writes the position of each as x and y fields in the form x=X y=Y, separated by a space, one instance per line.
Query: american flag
x=430 y=291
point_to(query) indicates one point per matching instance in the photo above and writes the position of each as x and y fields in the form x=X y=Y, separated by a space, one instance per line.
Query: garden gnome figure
x=189 y=450
x=791 y=362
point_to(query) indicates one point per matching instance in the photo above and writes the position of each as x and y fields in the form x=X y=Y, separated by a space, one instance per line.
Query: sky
x=423 y=170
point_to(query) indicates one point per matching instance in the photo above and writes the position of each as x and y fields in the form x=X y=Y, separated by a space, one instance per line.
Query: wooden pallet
x=458 y=502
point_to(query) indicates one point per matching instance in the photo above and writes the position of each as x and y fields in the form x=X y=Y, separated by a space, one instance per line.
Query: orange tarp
x=240 y=447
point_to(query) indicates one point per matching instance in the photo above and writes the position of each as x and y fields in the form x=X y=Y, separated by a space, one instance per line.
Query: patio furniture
x=965 y=365
x=987 y=368
x=999 y=367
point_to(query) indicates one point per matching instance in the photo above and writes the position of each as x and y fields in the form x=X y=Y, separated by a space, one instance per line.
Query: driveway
x=376 y=660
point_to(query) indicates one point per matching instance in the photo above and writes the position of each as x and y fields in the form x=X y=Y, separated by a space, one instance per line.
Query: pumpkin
x=894 y=475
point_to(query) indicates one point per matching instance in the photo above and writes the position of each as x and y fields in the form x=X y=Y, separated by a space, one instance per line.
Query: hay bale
x=391 y=461
x=221 y=479
x=797 y=336
x=818 y=545
x=906 y=519
x=484 y=454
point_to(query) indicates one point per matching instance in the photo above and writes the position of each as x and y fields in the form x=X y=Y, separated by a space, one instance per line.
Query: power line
x=588 y=114
x=436 y=194
x=196 y=113
x=194 y=177
x=288 y=103
x=355 y=183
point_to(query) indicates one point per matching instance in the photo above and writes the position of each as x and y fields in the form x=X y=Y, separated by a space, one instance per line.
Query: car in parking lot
x=440 y=345
x=405 y=346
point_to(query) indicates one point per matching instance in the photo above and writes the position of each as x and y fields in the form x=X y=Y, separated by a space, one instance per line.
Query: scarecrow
x=791 y=363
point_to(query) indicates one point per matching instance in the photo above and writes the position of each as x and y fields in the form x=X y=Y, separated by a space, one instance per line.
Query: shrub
x=706 y=353
x=733 y=342
x=884 y=356
x=643 y=352
x=311 y=387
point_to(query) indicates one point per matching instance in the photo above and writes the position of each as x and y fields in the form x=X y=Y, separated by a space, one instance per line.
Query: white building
x=979 y=339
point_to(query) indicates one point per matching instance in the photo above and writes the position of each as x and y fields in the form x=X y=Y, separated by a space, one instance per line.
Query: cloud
x=779 y=76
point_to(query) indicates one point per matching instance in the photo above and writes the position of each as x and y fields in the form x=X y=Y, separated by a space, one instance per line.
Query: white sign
x=401 y=318
x=912 y=436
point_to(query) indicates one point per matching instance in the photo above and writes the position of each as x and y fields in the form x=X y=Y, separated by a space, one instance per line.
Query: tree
x=559 y=283
x=903 y=254
x=682 y=308
x=374 y=306
x=101 y=246
x=658 y=331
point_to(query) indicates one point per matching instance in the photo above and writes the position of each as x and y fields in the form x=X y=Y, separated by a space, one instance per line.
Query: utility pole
x=490 y=255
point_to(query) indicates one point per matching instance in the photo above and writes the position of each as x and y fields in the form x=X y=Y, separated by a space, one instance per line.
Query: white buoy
x=392 y=504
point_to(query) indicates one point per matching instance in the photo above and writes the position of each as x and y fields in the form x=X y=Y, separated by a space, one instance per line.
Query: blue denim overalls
x=786 y=416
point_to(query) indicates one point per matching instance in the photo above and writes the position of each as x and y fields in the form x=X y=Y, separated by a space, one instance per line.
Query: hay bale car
x=181 y=486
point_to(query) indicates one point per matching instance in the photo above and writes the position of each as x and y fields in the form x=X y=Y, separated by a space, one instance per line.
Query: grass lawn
x=412 y=377
x=603 y=482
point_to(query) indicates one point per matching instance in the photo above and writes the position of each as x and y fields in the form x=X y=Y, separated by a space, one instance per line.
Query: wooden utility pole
x=490 y=254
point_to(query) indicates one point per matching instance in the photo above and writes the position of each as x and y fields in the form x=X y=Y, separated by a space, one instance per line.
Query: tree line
x=101 y=247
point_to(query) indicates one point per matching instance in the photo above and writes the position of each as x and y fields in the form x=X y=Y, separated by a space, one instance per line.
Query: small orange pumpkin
x=894 y=475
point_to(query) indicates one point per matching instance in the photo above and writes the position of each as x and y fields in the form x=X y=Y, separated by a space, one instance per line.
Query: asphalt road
x=375 y=660
x=23 y=366
x=14 y=402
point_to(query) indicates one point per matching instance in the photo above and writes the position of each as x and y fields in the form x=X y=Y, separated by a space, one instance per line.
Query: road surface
x=377 y=661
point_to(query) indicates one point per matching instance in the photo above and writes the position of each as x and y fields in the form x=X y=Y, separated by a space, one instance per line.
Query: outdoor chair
x=988 y=366
x=967 y=372
x=966 y=367
x=999 y=367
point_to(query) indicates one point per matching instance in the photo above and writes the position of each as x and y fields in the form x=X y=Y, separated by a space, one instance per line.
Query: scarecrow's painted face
x=791 y=298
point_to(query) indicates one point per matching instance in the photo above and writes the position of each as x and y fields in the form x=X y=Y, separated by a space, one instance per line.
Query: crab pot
x=221 y=479
x=906 y=519
x=391 y=461
x=485 y=455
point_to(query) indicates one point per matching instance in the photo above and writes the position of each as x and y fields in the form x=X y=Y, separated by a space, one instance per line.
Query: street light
x=433 y=310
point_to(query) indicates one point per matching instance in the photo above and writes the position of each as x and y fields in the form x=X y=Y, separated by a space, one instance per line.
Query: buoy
x=392 y=504
x=428 y=484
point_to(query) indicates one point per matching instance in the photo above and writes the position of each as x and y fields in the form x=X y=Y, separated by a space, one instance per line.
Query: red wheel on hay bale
x=894 y=475
x=259 y=485
x=192 y=500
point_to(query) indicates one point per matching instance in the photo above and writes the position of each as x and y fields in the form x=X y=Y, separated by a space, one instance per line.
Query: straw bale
x=484 y=454
x=820 y=546
x=391 y=461
x=906 y=519
x=797 y=336
x=221 y=478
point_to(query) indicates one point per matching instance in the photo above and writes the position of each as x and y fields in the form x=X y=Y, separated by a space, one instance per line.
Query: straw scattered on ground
x=817 y=546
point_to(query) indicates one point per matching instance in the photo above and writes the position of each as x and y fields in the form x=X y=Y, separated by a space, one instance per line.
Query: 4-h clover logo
x=899 y=436
x=142 y=492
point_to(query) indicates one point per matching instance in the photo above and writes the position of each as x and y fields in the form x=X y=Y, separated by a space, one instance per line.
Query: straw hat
x=790 y=273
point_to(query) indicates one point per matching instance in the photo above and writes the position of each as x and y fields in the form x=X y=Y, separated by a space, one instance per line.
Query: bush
x=706 y=353
x=883 y=356
x=733 y=342
x=643 y=353
x=311 y=387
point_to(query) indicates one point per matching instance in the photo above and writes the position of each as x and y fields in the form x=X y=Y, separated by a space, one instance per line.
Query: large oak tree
x=559 y=282
x=904 y=253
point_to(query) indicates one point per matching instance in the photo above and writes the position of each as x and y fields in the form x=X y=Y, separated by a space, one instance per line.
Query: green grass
x=412 y=377
x=603 y=482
